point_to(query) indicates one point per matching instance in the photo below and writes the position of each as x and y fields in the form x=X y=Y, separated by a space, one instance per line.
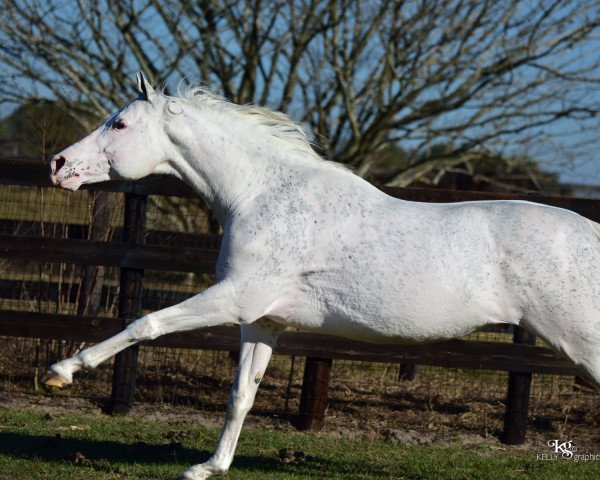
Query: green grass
x=79 y=446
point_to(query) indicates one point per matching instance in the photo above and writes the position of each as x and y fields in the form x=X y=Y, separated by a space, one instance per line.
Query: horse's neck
x=230 y=166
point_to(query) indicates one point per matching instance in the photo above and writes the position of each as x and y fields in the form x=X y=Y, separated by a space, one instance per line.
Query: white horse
x=307 y=244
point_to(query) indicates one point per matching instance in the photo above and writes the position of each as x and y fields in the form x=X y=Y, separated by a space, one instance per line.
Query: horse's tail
x=595 y=227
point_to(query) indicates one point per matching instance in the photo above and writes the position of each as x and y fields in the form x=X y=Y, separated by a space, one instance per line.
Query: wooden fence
x=521 y=358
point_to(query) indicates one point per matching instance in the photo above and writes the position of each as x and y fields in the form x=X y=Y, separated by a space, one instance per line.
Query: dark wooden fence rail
x=520 y=358
x=476 y=355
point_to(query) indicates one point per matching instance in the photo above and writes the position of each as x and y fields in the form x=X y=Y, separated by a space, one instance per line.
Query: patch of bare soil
x=403 y=423
x=439 y=407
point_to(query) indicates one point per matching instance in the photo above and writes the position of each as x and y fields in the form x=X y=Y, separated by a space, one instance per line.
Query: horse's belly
x=429 y=317
x=386 y=311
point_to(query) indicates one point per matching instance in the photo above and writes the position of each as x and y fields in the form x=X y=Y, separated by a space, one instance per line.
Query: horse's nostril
x=58 y=163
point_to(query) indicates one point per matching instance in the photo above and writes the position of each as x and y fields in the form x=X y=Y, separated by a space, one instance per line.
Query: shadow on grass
x=85 y=452
x=105 y=454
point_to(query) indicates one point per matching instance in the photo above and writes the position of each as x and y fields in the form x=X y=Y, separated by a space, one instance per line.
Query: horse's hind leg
x=592 y=372
x=576 y=338
x=587 y=361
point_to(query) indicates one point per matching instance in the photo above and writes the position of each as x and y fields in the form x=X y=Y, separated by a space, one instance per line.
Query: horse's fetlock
x=86 y=359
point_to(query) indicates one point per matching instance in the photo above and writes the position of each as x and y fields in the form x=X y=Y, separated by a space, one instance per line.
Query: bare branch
x=477 y=75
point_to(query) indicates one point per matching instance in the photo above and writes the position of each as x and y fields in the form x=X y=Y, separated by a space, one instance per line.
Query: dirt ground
x=440 y=407
x=440 y=424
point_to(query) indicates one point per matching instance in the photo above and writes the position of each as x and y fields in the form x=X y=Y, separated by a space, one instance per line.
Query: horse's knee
x=239 y=406
x=238 y=409
x=144 y=328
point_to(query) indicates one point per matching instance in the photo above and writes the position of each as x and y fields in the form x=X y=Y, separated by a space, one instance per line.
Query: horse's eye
x=118 y=125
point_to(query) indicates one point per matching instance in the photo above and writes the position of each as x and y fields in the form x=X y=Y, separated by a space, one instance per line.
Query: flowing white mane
x=277 y=124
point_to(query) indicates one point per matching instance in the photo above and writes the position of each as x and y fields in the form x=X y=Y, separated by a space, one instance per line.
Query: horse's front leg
x=257 y=342
x=215 y=306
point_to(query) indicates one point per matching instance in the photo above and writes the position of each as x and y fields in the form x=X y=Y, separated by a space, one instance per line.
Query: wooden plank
x=50 y=291
x=115 y=254
x=57 y=327
x=24 y=172
x=36 y=174
x=589 y=208
x=163 y=185
x=450 y=354
x=465 y=354
x=75 y=231
x=51 y=326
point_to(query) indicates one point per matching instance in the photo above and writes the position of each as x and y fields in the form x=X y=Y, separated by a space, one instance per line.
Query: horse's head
x=129 y=145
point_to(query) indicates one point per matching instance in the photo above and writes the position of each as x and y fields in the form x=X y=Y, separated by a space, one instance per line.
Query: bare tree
x=474 y=74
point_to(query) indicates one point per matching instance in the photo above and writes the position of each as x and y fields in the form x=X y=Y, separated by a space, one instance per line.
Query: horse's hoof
x=188 y=476
x=53 y=379
x=197 y=472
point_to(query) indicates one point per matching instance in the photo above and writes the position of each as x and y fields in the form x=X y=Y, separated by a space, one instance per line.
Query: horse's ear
x=145 y=89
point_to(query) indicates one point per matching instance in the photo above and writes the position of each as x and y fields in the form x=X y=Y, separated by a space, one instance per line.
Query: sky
x=583 y=167
x=585 y=171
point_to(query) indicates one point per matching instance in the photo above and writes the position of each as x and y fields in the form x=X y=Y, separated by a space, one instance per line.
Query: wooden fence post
x=130 y=306
x=517 y=400
x=313 y=399
x=408 y=371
